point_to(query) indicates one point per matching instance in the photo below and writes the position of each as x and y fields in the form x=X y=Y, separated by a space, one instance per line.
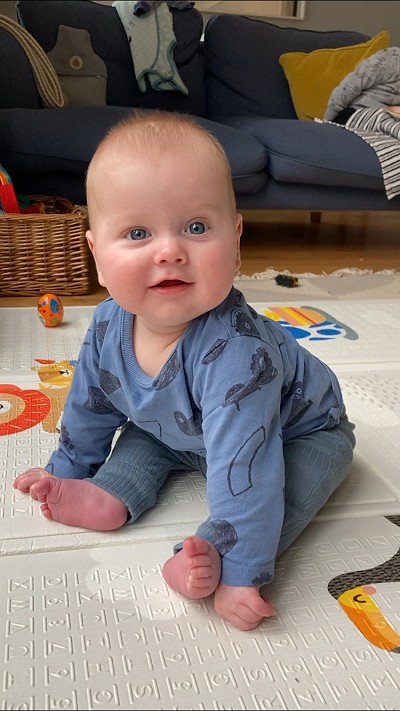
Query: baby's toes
x=201 y=575
x=21 y=484
x=46 y=511
x=41 y=489
x=200 y=561
x=24 y=481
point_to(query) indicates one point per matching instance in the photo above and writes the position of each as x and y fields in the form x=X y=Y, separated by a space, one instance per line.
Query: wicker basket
x=44 y=253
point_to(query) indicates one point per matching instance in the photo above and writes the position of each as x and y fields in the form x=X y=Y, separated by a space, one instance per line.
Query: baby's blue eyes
x=197 y=228
x=194 y=228
x=138 y=233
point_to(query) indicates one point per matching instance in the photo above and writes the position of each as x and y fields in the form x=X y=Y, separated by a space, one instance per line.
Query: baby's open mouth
x=174 y=287
x=171 y=286
x=170 y=282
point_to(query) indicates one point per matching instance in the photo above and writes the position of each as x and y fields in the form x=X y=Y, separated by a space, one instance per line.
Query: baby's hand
x=243 y=607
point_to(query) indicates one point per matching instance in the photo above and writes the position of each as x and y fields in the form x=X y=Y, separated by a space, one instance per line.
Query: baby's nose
x=171 y=251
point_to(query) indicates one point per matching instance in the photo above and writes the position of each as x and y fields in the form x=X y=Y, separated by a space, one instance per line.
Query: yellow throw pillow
x=312 y=76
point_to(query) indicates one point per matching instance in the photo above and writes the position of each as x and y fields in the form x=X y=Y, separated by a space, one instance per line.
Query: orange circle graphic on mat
x=21 y=409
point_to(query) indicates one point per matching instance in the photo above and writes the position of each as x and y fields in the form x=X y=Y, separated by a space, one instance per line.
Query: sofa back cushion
x=109 y=42
x=243 y=74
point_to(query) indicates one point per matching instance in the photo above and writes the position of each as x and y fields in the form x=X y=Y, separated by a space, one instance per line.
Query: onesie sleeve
x=245 y=466
x=89 y=420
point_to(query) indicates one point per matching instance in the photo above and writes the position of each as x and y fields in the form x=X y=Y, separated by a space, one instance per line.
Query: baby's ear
x=239 y=229
x=239 y=224
x=92 y=247
x=90 y=242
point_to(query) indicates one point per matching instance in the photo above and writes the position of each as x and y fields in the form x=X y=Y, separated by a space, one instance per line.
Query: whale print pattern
x=299 y=404
x=262 y=578
x=215 y=351
x=243 y=324
x=101 y=329
x=98 y=403
x=65 y=439
x=190 y=426
x=168 y=373
x=263 y=372
x=108 y=381
x=225 y=536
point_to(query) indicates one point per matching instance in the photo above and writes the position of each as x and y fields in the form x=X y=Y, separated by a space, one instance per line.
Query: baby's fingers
x=245 y=622
x=246 y=617
x=263 y=606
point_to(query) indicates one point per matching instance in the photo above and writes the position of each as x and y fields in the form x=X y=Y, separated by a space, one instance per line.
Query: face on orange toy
x=55 y=374
x=50 y=310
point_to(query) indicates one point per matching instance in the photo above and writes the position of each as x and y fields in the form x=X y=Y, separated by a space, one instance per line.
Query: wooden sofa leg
x=315 y=218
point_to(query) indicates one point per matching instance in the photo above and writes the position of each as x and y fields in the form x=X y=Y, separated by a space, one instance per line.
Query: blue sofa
x=237 y=89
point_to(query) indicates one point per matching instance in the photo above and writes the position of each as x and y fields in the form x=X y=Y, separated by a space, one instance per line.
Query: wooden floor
x=290 y=240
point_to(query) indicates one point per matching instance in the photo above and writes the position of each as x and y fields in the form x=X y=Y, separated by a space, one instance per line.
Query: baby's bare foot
x=195 y=571
x=78 y=502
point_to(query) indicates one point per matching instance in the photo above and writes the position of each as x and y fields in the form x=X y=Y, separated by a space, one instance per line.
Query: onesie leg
x=137 y=468
x=315 y=465
x=135 y=471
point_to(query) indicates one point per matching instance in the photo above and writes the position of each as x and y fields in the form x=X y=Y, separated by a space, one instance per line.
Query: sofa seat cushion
x=109 y=42
x=34 y=141
x=242 y=64
x=313 y=153
x=278 y=196
x=248 y=158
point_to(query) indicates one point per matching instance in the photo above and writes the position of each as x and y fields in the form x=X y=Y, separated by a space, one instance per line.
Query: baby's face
x=165 y=236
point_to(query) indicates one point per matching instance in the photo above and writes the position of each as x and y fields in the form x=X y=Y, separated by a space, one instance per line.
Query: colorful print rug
x=87 y=620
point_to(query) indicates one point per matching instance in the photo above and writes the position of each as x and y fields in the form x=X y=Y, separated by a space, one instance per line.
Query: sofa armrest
x=17 y=82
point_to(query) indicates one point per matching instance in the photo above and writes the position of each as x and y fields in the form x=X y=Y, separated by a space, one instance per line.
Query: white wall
x=367 y=16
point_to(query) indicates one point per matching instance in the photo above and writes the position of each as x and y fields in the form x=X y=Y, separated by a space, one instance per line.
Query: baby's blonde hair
x=145 y=131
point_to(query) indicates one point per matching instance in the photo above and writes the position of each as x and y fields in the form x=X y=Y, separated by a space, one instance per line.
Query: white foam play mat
x=87 y=620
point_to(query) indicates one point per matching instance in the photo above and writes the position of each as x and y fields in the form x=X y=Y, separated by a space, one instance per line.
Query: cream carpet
x=344 y=284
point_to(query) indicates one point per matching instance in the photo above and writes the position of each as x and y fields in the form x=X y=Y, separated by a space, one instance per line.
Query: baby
x=191 y=376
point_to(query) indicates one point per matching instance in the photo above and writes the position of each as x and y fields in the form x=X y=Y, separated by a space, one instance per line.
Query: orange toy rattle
x=50 y=310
